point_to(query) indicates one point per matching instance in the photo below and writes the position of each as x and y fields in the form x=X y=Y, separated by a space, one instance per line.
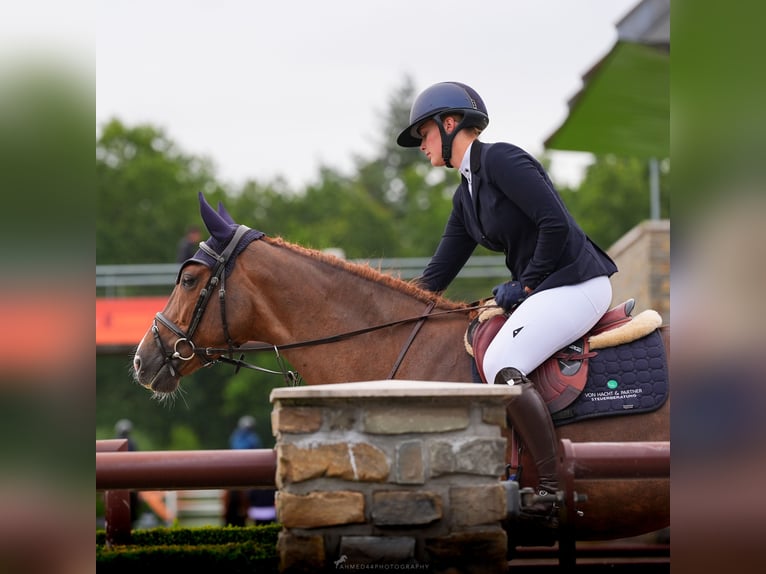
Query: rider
x=507 y=203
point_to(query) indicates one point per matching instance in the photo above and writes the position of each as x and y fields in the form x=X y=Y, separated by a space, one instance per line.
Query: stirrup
x=540 y=505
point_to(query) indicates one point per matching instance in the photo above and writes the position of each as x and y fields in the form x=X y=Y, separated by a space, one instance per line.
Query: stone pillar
x=392 y=473
x=643 y=258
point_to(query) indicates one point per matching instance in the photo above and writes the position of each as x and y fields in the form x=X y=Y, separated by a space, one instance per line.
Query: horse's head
x=194 y=318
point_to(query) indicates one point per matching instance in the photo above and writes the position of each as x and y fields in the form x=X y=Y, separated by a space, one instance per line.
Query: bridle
x=227 y=354
x=185 y=338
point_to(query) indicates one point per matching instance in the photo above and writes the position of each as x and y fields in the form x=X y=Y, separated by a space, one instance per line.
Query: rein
x=226 y=354
x=292 y=377
x=341 y=336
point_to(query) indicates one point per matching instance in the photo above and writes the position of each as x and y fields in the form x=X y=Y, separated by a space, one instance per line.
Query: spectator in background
x=244 y=436
x=189 y=243
x=256 y=505
x=123 y=429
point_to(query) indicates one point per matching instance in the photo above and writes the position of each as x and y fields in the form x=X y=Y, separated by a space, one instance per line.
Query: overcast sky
x=280 y=88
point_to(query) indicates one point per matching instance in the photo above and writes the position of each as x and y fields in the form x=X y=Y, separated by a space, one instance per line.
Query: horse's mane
x=369 y=273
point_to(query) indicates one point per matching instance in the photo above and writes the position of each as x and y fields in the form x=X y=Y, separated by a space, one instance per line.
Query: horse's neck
x=305 y=298
x=311 y=298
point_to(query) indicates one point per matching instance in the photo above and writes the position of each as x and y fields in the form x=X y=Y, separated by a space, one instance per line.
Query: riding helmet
x=440 y=98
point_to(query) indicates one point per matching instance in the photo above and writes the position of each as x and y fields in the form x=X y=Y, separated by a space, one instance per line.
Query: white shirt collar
x=465 y=167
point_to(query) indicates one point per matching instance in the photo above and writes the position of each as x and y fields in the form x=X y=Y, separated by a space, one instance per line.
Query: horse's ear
x=218 y=227
x=225 y=214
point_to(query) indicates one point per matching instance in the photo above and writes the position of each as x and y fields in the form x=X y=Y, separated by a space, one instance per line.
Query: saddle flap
x=559 y=380
x=481 y=336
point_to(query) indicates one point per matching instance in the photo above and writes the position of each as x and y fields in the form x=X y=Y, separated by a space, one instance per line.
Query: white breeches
x=546 y=322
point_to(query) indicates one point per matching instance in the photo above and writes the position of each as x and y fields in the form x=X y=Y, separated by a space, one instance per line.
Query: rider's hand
x=509 y=295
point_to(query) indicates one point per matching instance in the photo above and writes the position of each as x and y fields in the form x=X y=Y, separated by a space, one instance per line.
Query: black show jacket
x=516 y=210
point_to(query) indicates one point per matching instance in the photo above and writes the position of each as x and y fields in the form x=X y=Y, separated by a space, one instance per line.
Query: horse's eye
x=188 y=281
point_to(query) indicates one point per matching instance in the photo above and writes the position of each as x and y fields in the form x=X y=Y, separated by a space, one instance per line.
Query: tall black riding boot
x=531 y=419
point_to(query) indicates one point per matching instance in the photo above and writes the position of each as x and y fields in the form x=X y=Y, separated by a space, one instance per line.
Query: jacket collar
x=476 y=156
x=476 y=183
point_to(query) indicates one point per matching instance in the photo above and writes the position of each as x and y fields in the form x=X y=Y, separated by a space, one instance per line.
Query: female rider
x=507 y=203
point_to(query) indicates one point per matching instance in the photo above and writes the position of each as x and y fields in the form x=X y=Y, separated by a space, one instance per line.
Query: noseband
x=185 y=338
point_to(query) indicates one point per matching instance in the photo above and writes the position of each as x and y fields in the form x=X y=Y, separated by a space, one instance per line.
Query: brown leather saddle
x=562 y=377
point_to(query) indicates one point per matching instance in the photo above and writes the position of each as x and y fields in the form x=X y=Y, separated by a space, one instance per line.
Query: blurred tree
x=267 y=207
x=147 y=194
x=340 y=213
x=196 y=405
x=248 y=394
x=183 y=437
x=380 y=176
x=614 y=197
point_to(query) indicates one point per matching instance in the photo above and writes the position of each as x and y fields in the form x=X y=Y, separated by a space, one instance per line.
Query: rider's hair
x=459 y=118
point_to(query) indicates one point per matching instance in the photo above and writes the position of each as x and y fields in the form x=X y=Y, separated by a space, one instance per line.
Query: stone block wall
x=643 y=258
x=399 y=474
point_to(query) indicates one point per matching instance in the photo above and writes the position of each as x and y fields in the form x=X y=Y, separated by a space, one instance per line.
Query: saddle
x=562 y=377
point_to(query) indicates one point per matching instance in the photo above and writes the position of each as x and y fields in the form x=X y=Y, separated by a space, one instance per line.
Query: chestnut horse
x=336 y=322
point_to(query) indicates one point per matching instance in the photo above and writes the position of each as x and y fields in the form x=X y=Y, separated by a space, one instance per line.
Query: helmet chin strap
x=447 y=139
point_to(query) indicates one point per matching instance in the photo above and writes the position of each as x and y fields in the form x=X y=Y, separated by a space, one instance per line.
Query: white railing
x=112 y=277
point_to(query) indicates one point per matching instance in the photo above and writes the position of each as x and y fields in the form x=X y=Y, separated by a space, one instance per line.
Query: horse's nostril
x=136 y=363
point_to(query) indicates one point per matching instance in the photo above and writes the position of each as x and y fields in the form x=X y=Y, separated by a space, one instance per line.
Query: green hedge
x=232 y=549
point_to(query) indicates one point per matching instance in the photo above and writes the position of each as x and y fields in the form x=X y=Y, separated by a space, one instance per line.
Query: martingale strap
x=411 y=338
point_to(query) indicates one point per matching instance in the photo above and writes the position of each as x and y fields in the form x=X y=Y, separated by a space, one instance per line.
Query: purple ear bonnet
x=222 y=228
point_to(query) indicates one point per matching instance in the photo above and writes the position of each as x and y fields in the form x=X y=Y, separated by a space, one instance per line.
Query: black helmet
x=441 y=98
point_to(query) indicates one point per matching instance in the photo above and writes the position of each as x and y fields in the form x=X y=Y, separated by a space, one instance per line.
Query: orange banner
x=123 y=321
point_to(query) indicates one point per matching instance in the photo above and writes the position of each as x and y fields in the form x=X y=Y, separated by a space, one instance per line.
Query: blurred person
x=123 y=428
x=189 y=243
x=244 y=436
x=255 y=505
x=507 y=203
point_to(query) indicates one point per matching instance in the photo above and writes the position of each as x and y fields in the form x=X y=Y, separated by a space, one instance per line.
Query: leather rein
x=226 y=354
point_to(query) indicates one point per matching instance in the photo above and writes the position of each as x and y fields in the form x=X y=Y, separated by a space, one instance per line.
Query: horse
x=337 y=321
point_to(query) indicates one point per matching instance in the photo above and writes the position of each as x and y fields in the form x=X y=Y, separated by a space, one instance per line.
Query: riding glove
x=509 y=295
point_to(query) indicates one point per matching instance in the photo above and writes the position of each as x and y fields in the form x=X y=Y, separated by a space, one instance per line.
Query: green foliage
x=146 y=192
x=230 y=549
x=206 y=535
x=614 y=197
x=182 y=437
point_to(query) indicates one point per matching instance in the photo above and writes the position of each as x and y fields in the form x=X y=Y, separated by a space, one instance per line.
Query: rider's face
x=431 y=144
